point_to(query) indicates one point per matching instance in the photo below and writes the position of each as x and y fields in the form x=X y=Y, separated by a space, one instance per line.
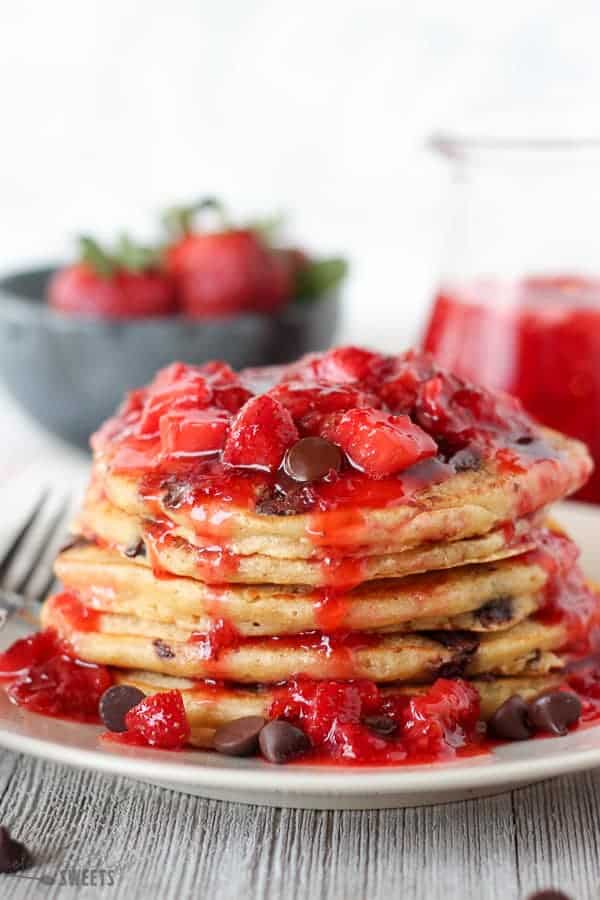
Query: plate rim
x=249 y=775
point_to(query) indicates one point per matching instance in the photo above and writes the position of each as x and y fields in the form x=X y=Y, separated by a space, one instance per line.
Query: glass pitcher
x=518 y=303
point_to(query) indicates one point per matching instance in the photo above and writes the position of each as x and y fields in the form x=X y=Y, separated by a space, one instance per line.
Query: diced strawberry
x=378 y=443
x=227 y=390
x=160 y=721
x=260 y=434
x=441 y=720
x=309 y=403
x=172 y=374
x=193 y=432
x=176 y=387
x=341 y=365
x=461 y=413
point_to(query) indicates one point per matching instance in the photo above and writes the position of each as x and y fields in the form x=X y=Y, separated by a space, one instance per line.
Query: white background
x=111 y=109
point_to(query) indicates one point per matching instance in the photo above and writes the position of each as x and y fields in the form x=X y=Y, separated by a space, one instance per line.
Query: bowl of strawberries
x=72 y=337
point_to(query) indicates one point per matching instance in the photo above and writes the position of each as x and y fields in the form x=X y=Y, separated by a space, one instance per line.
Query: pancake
x=492 y=617
x=150 y=542
x=207 y=706
x=419 y=656
x=472 y=598
x=466 y=505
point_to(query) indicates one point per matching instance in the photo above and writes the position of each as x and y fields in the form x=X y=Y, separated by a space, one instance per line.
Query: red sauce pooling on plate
x=46 y=678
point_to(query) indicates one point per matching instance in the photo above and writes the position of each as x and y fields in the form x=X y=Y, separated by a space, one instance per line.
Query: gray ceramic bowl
x=70 y=373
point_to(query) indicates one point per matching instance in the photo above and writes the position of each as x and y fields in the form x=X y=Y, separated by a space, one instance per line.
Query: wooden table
x=147 y=842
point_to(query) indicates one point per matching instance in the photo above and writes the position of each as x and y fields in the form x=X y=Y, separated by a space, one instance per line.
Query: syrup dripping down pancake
x=492 y=596
x=167 y=552
x=528 y=646
x=464 y=505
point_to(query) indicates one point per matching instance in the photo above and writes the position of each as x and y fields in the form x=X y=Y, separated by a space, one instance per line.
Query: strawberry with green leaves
x=125 y=283
x=233 y=270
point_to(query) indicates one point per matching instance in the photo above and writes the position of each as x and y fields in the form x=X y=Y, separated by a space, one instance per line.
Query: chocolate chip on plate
x=312 y=458
x=116 y=702
x=555 y=711
x=240 y=737
x=382 y=725
x=511 y=720
x=281 y=742
x=14 y=856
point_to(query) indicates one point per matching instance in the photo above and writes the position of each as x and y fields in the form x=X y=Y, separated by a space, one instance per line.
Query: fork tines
x=26 y=561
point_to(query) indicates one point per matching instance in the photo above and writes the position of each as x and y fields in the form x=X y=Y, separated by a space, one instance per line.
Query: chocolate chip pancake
x=345 y=452
x=491 y=596
x=354 y=547
x=421 y=656
x=466 y=505
x=151 y=543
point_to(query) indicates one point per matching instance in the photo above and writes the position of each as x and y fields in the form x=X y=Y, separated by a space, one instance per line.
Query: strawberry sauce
x=45 y=677
x=414 y=425
x=340 y=718
x=538 y=339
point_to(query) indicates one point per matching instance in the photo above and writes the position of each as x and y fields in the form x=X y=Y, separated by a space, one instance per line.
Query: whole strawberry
x=225 y=272
x=125 y=283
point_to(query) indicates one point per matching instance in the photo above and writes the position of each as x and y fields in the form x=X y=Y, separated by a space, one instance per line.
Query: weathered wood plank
x=557 y=835
x=157 y=843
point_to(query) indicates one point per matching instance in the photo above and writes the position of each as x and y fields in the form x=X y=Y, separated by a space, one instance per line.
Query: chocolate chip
x=138 y=548
x=14 y=856
x=467 y=460
x=383 y=725
x=511 y=720
x=240 y=737
x=116 y=702
x=281 y=742
x=175 y=493
x=286 y=498
x=455 y=640
x=163 y=650
x=496 y=612
x=555 y=711
x=312 y=458
x=463 y=645
x=549 y=894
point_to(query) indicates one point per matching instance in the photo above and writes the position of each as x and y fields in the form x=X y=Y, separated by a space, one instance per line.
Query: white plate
x=311 y=787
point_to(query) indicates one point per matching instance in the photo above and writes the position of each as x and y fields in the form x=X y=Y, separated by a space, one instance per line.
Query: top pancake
x=468 y=504
x=422 y=457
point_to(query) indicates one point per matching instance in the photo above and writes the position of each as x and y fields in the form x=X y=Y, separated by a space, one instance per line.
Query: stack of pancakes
x=227 y=601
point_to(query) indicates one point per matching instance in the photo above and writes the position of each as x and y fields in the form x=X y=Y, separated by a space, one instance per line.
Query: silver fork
x=26 y=575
